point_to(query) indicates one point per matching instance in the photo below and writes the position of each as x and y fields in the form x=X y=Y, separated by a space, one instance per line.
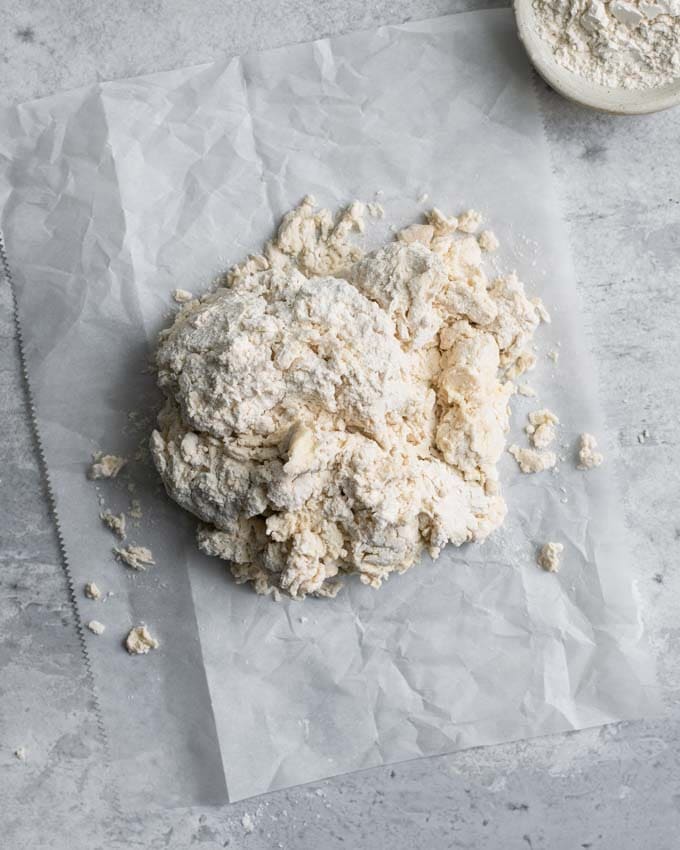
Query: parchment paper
x=117 y=193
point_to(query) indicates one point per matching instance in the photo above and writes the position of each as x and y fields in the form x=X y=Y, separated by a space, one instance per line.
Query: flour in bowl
x=616 y=43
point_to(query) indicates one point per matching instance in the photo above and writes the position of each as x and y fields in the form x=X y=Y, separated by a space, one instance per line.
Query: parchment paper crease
x=113 y=195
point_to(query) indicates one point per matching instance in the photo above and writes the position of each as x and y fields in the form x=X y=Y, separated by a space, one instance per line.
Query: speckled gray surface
x=616 y=787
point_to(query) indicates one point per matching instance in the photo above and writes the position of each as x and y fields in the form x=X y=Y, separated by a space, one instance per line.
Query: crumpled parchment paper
x=113 y=195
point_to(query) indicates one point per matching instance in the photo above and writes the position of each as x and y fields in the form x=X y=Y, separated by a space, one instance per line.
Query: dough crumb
x=423 y=198
x=488 y=241
x=588 y=456
x=526 y=390
x=549 y=557
x=443 y=225
x=107 y=466
x=531 y=460
x=470 y=221
x=375 y=210
x=554 y=355
x=139 y=641
x=115 y=523
x=541 y=428
x=96 y=627
x=137 y=557
x=92 y=591
x=135 y=510
x=182 y=296
x=20 y=753
x=247 y=823
x=542 y=310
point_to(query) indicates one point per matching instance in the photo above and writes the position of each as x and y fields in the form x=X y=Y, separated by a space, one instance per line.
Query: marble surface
x=617 y=787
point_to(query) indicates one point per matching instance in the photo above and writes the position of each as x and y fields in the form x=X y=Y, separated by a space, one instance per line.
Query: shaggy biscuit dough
x=332 y=413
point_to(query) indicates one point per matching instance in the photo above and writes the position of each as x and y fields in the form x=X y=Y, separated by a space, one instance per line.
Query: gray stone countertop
x=613 y=788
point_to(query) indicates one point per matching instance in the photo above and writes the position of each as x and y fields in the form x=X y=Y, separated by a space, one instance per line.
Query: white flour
x=618 y=44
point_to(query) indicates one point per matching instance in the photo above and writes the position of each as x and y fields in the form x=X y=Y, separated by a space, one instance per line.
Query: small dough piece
x=139 y=641
x=470 y=221
x=182 y=296
x=549 y=557
x=526 y=390
x=488 y=241
x=541 y=428
x=107 y=466
x=96 y=627
x=588 y=456
x=135 y=510
x=20 y=753
x=114 y=522
x=553 y=355
x=136 y=557
x=92 y=591
x=532 y=460
x=375 y=210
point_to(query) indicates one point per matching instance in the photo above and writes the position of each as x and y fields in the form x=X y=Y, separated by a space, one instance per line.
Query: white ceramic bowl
x=622 y=101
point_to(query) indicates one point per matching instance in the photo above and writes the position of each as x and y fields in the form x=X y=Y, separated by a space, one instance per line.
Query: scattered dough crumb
x=96 y=627
x=488 y=241
x=115 y=523
x=531 y=460
x=135 y=510
x=549 y=557
x=247 y=823
x=541 y=310
x=423 y=198
x=541 y=428
x=588 y=456
x=375 y=210
x=470 y=221
x=643 y=435
x=20 y=753
x=139 y=641
x=137 y=557
x=181 y=296
x=554 y=355
x=524 y=362
x=107 y=466
x=526 y=390
x=92 y=591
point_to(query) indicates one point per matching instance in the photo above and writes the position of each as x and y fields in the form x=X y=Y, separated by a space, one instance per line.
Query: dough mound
x=329 y=413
